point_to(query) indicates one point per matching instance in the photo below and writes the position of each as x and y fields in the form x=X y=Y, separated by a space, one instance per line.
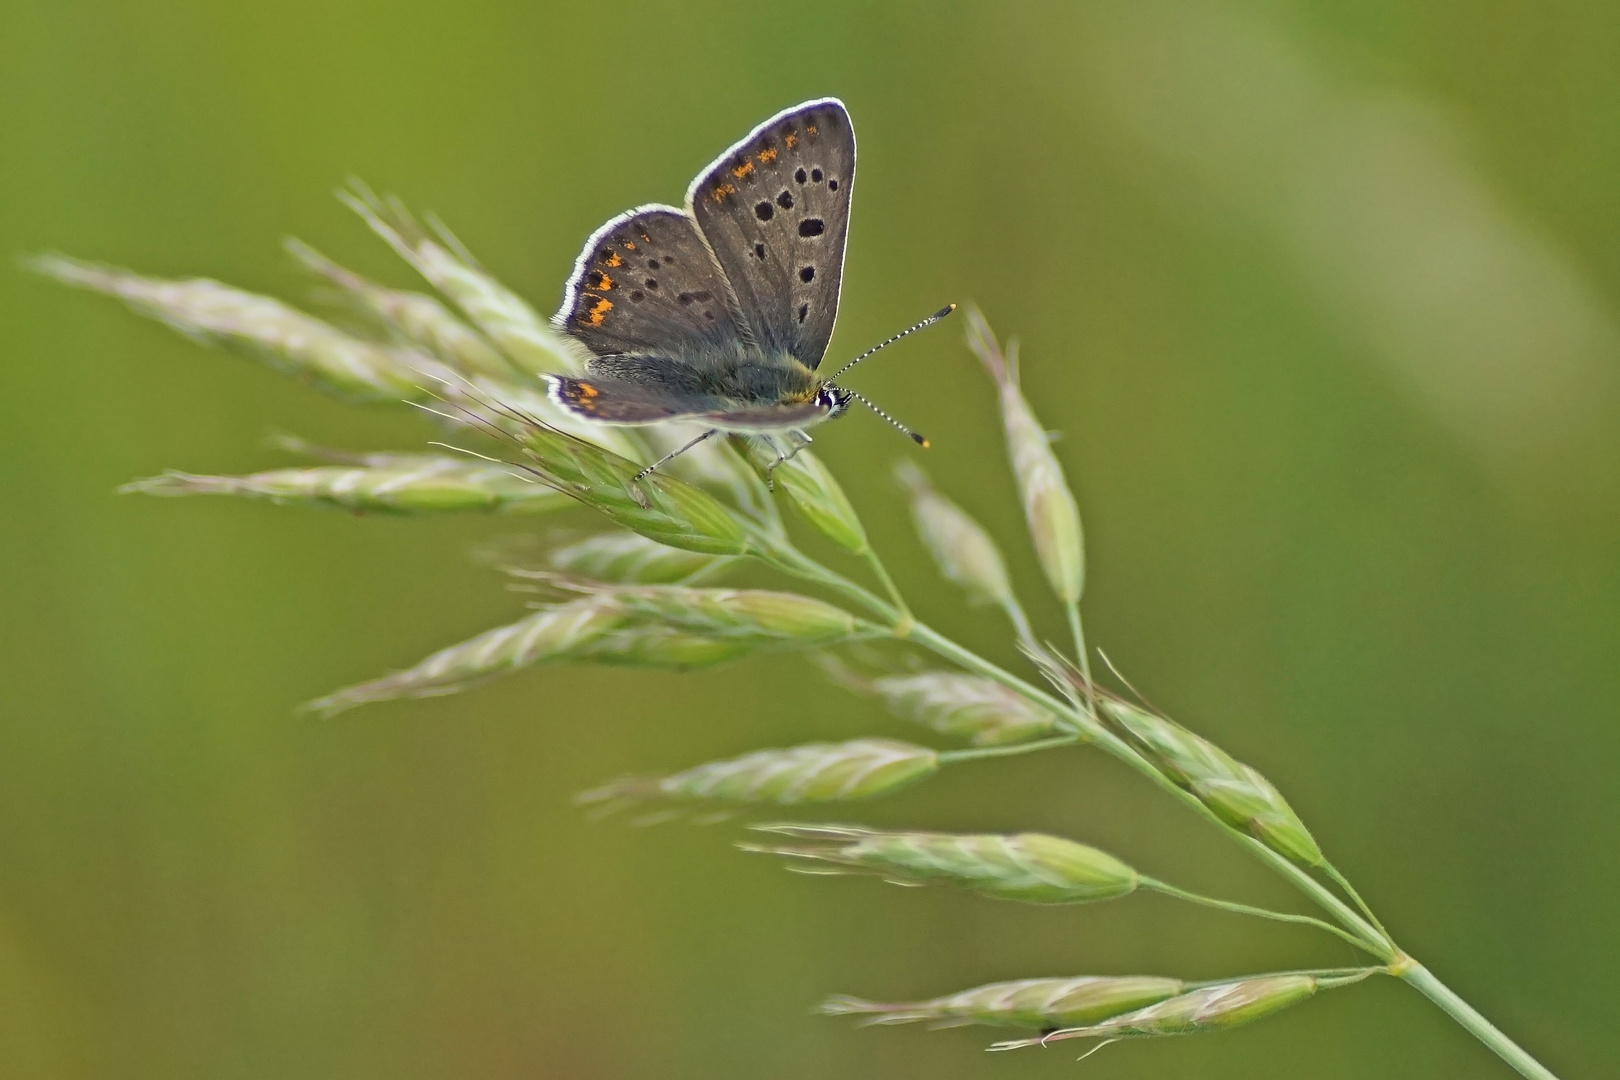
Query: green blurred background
x=1323 y=298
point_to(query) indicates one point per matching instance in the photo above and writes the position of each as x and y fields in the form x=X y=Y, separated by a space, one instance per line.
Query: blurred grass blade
x=406 y=484
x=1210 y=1008
x=261 y=327
x=1035 y=1003
x=815 y=772
x=1049 y=506
x=413 y=317
x=631 y=558
x=521 y=334
x=966 y=706
x=1030 y=867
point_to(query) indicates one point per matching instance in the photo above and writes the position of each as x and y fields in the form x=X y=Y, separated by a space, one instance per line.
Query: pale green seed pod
x=505 y=319
x=555 y=633
x=1210 y=1008
x=1031 y=867
x=658 y=507
x=961 y=548
x=817 y=496
x=980 y=710
x=1049 y=506
x=746 y=613
x=395 y=484
x=261 y=327
x=413 y=317
x=815 y=772
x=1236 y=792
x=629 y=557
x=1034 y=1003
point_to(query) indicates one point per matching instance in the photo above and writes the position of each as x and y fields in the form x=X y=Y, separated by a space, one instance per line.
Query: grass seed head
x=402 y=484
x=412 y=317
x=817 y=496
x=1030 y=867
x=261 y=327
x=555 y=633
x=966 y=706
x=628 y=557
x=1238 y=793
x=961 y=548
x=746 y=613
x=526 y=339
x=1034 y=1003
x=815 y=772
x=1210 y=1008
x=1049 y=506
x=658 y=507
x=654 y=646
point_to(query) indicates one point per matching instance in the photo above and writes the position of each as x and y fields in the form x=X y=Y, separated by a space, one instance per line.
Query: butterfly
x=719 y=313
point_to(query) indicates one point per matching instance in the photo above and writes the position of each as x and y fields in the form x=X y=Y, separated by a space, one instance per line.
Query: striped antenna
x=930 y=321
x=916 y=438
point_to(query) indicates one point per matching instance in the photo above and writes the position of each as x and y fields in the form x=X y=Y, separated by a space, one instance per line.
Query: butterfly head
x=834 y=399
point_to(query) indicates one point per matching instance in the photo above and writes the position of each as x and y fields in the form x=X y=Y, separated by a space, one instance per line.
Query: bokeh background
x=1324 y=299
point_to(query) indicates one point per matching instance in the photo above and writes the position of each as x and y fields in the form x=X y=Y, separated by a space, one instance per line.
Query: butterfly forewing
x=647 y=284
x=775 y=210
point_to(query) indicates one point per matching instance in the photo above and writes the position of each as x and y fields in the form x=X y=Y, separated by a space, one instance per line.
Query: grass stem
x=1247 y=909
x=1423 y=980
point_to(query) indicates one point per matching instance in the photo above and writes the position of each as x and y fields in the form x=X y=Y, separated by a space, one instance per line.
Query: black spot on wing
x=764 y=211
x=812 y=227
x=807 y=274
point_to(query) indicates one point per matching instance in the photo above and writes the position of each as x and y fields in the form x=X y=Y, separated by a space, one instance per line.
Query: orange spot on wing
x=791 y=139
x=767 y=155
x=598 y=311
x=587 y=390
x=743 y=170
x=721 y=191
x=810 y=129
x=629 y=245
x=613 y=259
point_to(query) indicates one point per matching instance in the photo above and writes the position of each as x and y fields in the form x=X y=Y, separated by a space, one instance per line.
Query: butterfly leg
x=801 y=439
x=672 y=455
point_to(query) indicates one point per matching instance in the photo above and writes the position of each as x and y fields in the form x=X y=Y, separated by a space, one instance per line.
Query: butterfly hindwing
x=775 y=210
x=646 y=283
x=612 y=400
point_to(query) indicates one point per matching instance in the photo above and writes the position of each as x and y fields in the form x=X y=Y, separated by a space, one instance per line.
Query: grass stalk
x=1424 y=982
x=1248 y=909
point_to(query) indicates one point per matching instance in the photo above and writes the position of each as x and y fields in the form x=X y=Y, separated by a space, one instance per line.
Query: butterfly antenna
x=925 y=324
x=916 y=438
